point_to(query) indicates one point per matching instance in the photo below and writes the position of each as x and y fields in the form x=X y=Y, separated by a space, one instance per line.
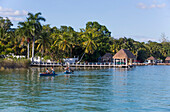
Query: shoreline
x=23 y=64
x=12 y=64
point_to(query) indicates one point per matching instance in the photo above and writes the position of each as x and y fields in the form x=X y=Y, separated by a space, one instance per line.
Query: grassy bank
x=14 y=63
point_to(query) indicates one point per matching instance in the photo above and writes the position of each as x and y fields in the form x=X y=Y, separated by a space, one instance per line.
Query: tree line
x=55 y=43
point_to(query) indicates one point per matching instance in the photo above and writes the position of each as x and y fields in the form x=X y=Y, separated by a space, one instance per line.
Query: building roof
x=107 y=55
x=167 y=58
x=123 y=54
x=151 y=58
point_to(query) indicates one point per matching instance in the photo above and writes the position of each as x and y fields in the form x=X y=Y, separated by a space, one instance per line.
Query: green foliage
x=55 y=43
x=46 y=57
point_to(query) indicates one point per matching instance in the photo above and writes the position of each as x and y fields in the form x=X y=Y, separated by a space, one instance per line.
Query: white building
x=151 y=60
x=17 y=56
x=70 y=60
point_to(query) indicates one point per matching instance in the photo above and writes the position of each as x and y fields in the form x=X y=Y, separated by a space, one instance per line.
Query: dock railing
x=81 y=64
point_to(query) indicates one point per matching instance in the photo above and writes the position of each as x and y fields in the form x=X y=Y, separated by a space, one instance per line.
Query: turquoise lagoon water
x=139 y=89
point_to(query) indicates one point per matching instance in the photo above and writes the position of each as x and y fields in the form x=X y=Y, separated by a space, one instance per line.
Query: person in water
x=47 y=71
x=67 y=68
x=52 y=70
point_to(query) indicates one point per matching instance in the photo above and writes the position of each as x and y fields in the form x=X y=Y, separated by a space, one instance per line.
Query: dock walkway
x=94 y=64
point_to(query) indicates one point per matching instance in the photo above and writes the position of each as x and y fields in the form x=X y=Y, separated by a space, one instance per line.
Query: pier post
x=126 y=62
x=114 y=61
x=130 y=61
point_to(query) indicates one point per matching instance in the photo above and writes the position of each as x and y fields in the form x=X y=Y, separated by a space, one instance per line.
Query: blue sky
x=141 y=20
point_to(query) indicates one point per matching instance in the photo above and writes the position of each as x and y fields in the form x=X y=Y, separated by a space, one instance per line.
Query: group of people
x=53 y=72
x=48 y=72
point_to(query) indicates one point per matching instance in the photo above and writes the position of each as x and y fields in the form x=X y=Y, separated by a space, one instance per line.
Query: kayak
x=42 y=74
x=67 y=72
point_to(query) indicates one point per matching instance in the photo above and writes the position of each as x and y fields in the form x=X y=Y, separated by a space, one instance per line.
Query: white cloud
x=161 y=5
x=142 y=6
x=13 y=15
x=5 y=9
x=154 y=5
x=15 y=19
x=144 y=38
x=11 y=12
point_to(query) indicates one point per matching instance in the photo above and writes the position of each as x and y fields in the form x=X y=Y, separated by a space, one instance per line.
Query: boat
x=43 y=74
x=67 y=72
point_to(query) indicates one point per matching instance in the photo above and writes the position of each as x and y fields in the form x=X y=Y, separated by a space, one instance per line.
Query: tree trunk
x=33 y=49
x=28 y=51
x=81 y=57
x=71 y=50
x=43 y=51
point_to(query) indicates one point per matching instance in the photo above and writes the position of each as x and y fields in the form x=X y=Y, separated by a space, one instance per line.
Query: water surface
x=143 y=88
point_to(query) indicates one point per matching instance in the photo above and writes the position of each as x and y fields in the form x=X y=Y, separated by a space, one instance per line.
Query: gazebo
x=107 y=57
x=124 y=57
x=167 y=60
x=151 y=60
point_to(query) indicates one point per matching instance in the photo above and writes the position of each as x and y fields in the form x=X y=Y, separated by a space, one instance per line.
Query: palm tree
x=25 y=33
x=89 y=43
x=73 y=38
x=44 y=41
x=35 y=27
x=5 y=25
x=63 y=42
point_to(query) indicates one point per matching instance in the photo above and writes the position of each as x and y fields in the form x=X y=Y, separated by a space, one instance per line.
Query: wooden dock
x=94 y=64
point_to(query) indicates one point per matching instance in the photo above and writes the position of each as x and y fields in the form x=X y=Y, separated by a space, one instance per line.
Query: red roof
x=167 y=58
x=123 y=54
x=151 y=58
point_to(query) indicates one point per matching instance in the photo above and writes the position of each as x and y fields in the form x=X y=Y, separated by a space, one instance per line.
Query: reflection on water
x=144 y=88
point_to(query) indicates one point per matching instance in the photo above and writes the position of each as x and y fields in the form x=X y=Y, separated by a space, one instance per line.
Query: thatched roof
x=167 y=58
x=123 y=54
x=151 y=58
x=107 y=55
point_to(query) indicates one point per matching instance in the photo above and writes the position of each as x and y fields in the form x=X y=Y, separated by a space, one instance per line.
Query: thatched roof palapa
x=107 y=55
x=167 y=58
x=151 y=58
x=124 y=54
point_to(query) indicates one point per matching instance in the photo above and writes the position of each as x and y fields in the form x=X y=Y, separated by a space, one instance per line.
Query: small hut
x=107 y=57
x=151 y=60
x=124 y=57
x=167 y=60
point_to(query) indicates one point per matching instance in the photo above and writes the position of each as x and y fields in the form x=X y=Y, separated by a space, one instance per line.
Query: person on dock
x=52 y=70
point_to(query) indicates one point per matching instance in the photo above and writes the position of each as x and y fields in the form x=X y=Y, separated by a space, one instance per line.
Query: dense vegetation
x=56 y=43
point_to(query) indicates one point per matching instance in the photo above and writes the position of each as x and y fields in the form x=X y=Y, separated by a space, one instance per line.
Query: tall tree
x=5 y=37
x=25 y=33
x=35 y=27
x=44 y=41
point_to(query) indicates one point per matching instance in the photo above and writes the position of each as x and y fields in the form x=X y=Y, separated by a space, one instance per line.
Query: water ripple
x=144 y=88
